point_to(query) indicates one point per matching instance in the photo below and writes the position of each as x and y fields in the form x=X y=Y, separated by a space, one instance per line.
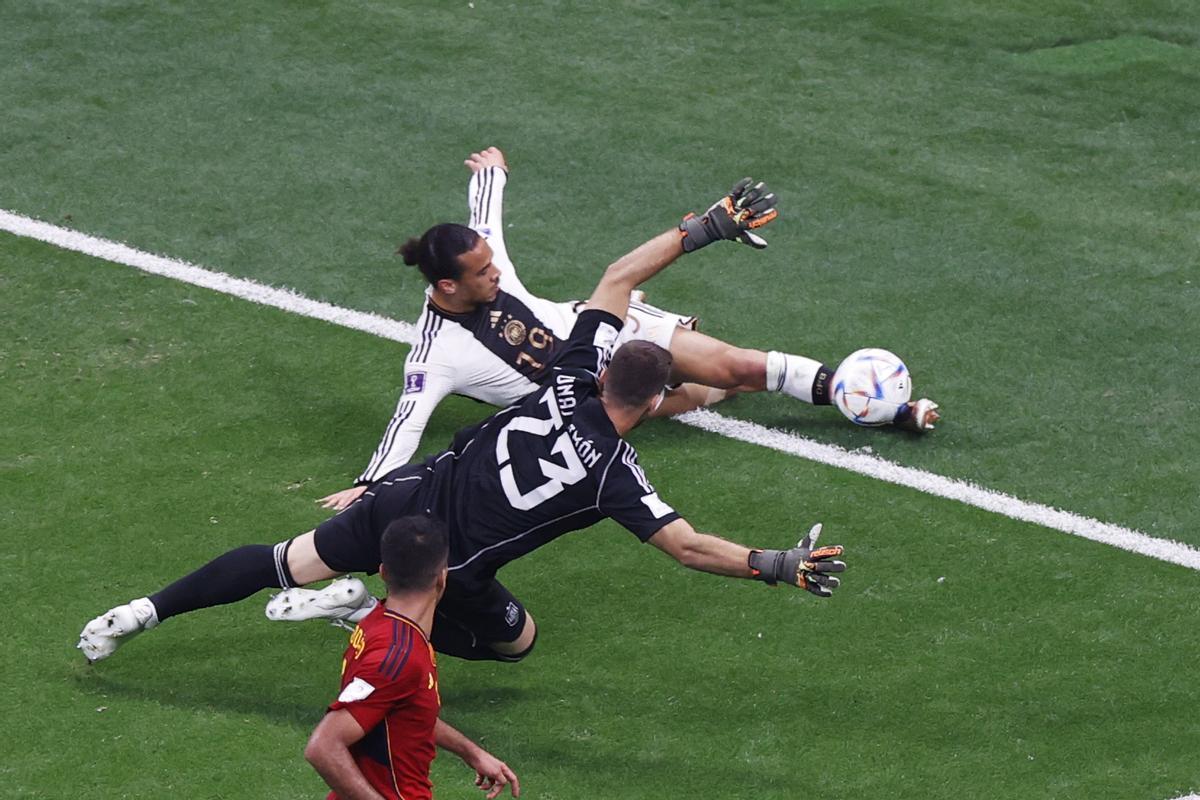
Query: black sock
x=820 y=387
x=226 y=579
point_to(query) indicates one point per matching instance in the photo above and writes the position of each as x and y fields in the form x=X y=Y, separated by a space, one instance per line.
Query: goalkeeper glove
x=748 y=206
x=804 y=565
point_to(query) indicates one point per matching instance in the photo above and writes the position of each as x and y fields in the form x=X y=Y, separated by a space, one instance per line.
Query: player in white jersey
x=484 y=335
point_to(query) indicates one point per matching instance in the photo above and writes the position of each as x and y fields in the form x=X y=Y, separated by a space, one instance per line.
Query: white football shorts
x=651 y=324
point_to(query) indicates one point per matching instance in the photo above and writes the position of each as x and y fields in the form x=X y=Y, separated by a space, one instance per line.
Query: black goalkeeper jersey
x=548 y=465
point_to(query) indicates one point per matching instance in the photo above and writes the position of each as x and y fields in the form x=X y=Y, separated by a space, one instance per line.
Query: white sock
x=792 y=375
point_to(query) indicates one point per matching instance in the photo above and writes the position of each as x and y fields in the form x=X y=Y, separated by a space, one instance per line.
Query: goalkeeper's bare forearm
x=804 y=566
x=748 y=206
x=632 y=270
x=702 y=551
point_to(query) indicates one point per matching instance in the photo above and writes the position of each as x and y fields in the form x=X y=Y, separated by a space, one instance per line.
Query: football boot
x=346 y=599
x=102 y=636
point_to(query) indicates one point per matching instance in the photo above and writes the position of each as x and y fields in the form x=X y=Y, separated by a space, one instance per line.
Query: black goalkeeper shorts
x=485 y=609
x=349 y=540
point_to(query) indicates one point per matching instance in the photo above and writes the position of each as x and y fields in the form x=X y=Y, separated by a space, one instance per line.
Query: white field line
x=752 y=433
x=950 y=488
x=217 y=281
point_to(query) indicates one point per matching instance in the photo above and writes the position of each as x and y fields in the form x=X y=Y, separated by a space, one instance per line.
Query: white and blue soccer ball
x=870 y=385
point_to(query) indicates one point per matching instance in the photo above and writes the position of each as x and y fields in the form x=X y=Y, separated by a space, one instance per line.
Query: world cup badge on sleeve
x=414 y=382
x=605 y=339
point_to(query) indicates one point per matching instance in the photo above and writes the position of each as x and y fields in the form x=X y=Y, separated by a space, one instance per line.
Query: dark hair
x=414 y=552
x=638 y=371
x=436 y=252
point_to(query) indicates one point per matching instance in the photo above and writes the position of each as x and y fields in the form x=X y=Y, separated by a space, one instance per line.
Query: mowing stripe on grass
x=285 y=299
x=752 y=433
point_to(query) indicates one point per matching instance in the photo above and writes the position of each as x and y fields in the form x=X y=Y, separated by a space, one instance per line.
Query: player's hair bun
x=437 y=250
x=410 y=250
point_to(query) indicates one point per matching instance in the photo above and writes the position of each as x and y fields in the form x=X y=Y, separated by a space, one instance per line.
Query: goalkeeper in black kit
x=548 y=465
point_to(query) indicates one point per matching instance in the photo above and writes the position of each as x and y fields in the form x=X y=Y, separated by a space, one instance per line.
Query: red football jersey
x=390 y=686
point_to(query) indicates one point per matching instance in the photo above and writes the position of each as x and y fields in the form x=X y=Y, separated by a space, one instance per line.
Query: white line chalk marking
x=749 y=432
x=198 y=276
x=949 y=488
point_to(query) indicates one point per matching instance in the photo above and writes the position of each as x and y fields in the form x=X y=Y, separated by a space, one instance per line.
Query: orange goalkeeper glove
x=748 y=206
x=805 y=565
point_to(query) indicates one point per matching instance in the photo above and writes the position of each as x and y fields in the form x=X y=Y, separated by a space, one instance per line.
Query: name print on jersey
x=584 y=447
x=559 y=399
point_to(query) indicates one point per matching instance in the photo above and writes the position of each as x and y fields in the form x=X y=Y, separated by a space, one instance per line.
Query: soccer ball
x=870 y=385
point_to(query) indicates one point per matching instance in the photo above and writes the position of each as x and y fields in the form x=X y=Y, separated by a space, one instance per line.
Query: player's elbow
x=618 y=277
x=691 y=554
x=312 y=752
x=678 y=540
x=316 y=751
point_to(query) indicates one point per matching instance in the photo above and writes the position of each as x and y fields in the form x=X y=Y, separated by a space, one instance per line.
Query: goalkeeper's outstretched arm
x=805 y=565
x=748 y=206
x=631 y=270
x=703 y=551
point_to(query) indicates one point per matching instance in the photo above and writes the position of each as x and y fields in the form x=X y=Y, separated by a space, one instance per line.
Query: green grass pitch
x=1003 y=193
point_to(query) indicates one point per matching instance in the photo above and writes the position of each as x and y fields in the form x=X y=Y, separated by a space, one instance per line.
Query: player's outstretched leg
x=345 y=600
x=702 y=359
x=699 y=358
x=228 y=578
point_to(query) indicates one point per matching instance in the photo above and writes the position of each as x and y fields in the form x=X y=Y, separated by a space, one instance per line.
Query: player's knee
x=730 y=367
x=745 y=369
x=299 y=562
x=513 y=658
x=520 y=647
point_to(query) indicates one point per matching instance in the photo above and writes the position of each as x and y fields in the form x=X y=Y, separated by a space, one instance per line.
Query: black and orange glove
x=748 y=206
x=805 y=565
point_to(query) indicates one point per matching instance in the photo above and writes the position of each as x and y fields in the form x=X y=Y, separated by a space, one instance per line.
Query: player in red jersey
x=378 y=738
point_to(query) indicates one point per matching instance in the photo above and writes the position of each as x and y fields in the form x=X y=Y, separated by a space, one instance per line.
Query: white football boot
x=344 y=600
x=102 y=636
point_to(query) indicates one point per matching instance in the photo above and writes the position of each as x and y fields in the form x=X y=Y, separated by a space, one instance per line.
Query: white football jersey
x=498 y=353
